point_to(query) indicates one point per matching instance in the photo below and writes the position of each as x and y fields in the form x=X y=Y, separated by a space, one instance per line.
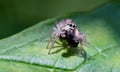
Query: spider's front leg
x=81 y=47
x=51 y=42
x=82 y=41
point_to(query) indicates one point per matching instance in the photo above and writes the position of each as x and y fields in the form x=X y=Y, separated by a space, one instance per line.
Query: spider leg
x=81 y=47
x=82 y=41
x=53 y=41
x=50 y=40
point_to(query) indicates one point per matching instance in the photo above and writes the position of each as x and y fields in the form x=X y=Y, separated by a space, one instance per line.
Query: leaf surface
x=26 y=51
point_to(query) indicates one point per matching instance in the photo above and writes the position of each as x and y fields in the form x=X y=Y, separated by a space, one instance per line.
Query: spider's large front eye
x=73 y=26
x=70 y=25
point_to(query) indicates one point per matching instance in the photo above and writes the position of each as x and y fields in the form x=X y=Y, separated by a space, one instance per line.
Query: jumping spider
x=67 y=30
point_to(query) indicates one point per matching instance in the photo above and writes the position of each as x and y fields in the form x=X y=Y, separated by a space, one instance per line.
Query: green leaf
x=26 y=51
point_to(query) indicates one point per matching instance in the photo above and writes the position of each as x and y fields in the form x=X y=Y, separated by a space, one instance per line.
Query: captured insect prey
x=67 y=30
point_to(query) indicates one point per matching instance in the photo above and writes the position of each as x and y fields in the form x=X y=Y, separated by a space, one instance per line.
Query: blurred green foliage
x=16 y=15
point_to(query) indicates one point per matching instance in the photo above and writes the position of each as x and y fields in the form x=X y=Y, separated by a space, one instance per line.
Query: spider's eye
x=70 y=25
x=73 y=26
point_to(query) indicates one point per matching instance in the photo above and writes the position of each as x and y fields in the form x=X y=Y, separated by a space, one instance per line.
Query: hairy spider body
x=71 y=39
x=67 y=30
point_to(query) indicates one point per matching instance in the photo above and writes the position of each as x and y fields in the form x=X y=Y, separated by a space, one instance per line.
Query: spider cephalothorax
x=68 y=31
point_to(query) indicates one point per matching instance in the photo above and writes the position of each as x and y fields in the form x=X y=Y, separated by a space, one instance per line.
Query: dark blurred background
x=16 y=15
